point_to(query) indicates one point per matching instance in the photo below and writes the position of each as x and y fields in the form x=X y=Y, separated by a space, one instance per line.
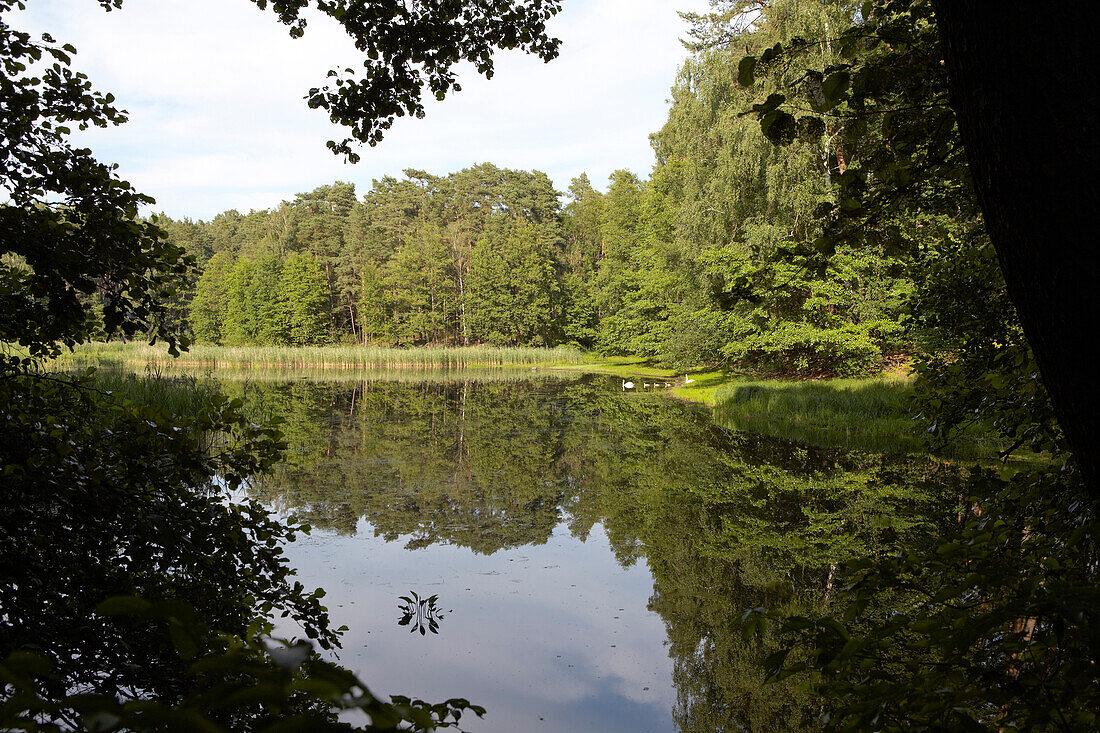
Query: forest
x=829 y=197
x=687 y=267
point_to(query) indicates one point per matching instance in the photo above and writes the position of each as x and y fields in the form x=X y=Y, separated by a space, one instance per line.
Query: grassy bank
x=702 y=386
x=323 y=357
x=871 y=414
x=350 y=376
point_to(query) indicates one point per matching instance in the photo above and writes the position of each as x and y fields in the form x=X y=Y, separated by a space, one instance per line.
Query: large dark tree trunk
x=1023 y=83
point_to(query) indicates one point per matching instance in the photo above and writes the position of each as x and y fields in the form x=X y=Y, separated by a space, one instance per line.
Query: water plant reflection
x=420 y=613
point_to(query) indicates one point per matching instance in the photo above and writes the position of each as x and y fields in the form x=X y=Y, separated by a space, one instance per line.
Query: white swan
x=627 y=385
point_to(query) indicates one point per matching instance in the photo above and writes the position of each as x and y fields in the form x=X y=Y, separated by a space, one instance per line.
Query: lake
x=588 y=552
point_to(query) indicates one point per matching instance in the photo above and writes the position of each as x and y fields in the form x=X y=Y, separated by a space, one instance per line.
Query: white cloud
x=215 y=91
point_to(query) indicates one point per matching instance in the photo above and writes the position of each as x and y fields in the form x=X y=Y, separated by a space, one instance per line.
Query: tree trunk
x=351 y=318
x=462 y=308
x=1023 y=85
x=331 y=294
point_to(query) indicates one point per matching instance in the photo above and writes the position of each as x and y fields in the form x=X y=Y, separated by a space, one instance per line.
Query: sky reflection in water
x=592 y=550
x=551 y=637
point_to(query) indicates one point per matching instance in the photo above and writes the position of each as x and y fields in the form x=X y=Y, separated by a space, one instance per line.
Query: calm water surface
x=590 y=550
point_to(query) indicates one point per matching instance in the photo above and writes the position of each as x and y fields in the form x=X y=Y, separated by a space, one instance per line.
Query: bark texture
x=1023 y=82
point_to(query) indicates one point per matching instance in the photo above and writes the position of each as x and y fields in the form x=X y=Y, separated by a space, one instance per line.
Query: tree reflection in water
x=725 y=521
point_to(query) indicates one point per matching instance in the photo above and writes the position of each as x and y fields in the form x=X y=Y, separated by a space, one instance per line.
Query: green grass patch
x=619 y=366
x=860 y=414
x=176 y=394
x=870 y=414
x=702 y=386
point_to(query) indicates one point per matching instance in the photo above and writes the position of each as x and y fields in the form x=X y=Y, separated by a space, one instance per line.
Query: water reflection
x=420 y=614
x=600 y=545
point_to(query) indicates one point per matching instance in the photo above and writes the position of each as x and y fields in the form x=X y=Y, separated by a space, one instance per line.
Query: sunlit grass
x=620 y=366
x=702 y=386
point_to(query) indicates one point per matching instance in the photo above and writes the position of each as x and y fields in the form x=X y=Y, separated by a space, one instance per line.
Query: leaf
x=745 y=69
x=773 y=663
x=779 y=126
x=770 y=54
x=183 y=640
x=771 y=103
x=834 y=86
x=27 y=664
x=124 y=606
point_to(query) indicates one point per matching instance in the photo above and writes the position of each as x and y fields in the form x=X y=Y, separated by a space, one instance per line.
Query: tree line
x=692 y=265
x=473 y=257
x=491 y=256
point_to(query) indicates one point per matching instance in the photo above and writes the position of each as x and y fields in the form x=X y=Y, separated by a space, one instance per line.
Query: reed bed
x=326 y=357
x=365 y=375
x=180 y=394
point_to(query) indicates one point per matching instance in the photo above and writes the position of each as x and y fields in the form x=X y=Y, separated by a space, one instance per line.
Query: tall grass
x=178 y=394
x=350 y=375
x=326 y=357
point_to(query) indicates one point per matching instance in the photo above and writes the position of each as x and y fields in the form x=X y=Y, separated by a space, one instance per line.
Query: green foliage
x=513 y=288
x=992 y=631
x=237 y=683
x=371 y=306
x=395 y=267
x=302 y=302
x=991 y=626
x=208 y=307
x=97 y=518
x=739 y=207
x=268 y=297
x=631 y=286
x=69 y=227
x=421 y=289
x=486 y=255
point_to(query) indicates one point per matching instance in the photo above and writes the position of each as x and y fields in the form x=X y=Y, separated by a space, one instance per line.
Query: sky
x=215 y=92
